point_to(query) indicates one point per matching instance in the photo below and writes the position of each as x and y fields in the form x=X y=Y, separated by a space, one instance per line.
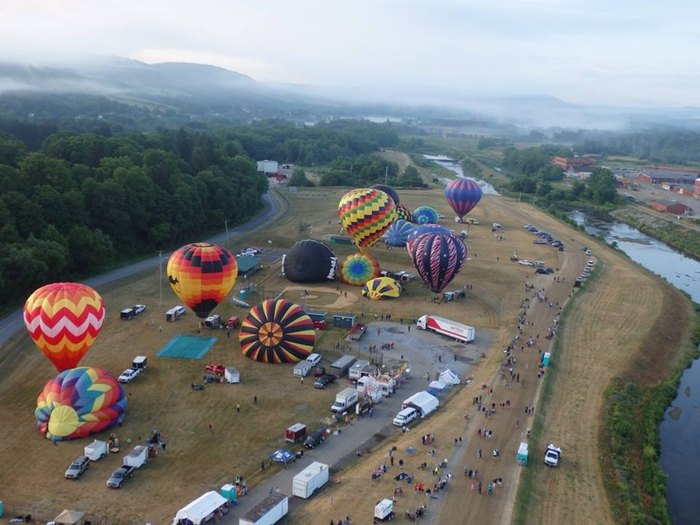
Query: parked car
x=175 y=313
x=78 y=466
x=213 y=321
x=217 y=370
x=139 y=308
x=525 y=262
x=324 y=380
x=129 y=313
x=129 y=375
x=119 y=477
x=320 y=325
x=314 y=359
x=315 y=438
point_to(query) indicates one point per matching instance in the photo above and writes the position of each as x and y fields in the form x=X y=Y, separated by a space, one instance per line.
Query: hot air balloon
x=423 y=229
x=309 y=261
x=425 y=215
x=64 y=320
x=463 y=195
x=366 y=214
x=391 y=192
x=202 y=274
x=78 y=403
x=277 y=331
x=438 y=258
x=381 y=287
x=398 y=233
x=359 y=268
x=402 y=212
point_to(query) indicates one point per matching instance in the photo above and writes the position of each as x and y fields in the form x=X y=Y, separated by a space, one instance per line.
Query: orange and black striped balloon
x=202 y=274
x=277 y=331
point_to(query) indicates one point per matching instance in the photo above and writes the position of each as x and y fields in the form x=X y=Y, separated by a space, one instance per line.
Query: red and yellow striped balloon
x=366 y=213
x=64 y=320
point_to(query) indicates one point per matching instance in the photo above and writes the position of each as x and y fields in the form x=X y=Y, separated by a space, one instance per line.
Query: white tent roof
x=201 y=507
x=69 y=517
x=438 y=385
x=449 y=377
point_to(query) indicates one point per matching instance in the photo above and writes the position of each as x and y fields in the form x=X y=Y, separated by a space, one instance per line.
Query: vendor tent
x=200 y=509
x=449 y=377
x=69 y=517
x=281 y=456
x=437 y=385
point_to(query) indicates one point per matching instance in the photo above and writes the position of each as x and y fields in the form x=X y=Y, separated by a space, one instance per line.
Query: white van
x=174 y=313
x=314 y=359
x=405 y=416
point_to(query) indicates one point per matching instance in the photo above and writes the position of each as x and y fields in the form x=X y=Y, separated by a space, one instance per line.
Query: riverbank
x=682 y=237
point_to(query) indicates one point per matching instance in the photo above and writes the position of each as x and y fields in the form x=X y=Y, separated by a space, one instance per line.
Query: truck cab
x=552 y=455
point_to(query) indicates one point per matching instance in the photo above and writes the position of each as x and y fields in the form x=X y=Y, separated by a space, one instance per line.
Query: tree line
x=86 y=200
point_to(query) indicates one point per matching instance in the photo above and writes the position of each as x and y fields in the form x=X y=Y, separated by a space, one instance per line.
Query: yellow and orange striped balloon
x=64 y=320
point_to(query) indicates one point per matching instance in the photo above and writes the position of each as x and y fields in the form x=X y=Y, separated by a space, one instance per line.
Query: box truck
x=457 y=331
x=424 y=402
x=310 y=480
x=268 y=511
x=344 y=400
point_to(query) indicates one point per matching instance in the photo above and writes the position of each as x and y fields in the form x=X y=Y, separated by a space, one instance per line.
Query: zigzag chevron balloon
x=64 y=320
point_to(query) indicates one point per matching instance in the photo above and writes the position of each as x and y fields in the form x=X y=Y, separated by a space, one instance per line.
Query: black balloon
x=309 y=261
x=391 y=192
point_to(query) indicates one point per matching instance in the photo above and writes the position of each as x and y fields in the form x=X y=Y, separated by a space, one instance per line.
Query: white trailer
x=231 y=375
x=457 y=331
x=424 y=402
x=268 y=511
x=137 y=457
x=356 y=369
x=310 y=480
x=96 y=450
x=302 y=368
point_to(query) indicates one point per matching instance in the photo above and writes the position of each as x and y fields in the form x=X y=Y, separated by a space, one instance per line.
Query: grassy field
x=197 y=459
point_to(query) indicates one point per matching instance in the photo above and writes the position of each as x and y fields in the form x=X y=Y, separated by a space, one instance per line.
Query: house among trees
x=677 y=208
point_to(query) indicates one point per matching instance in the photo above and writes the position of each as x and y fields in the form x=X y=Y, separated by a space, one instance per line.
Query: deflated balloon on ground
x=309 y=261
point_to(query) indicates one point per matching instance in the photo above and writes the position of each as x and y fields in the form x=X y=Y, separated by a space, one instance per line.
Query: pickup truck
x=217 y=370
x=119 y=477
x=78 y=466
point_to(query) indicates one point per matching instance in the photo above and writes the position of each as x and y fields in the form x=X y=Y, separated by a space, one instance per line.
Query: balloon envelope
x=78 y=403
x=402 y=212
x=462 y=195
x=366 y=214
x=391 y=192
x=398 y=233
x=423 y=229
x=381 y=287
x=425 y=215
x=64 y=319
x=359 y=268
x=202 y=274
x=438 y=258
x=277 y=331
x=309 y=261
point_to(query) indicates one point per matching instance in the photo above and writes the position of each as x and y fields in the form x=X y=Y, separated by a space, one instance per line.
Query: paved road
x=11 y=324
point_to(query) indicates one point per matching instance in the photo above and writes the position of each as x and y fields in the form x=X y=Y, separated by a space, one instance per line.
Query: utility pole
x=160 y=277
x=228 y=240
x=386 y=175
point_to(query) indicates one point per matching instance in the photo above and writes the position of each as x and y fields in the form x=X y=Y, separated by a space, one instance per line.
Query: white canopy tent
x=200 y=509
x=449 y=377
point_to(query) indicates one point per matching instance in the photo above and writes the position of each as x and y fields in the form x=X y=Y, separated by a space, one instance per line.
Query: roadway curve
x=274 y=204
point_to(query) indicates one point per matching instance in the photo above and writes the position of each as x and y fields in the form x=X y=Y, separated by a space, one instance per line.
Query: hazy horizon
x=592 y=52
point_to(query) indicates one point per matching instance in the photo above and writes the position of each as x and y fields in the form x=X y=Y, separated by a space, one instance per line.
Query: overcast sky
x=623 y=52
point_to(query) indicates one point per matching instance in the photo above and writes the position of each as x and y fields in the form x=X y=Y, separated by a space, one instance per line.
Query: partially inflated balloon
x=277 y=331
x=366 y=214
x=402 y=212
x=64 y=320
x=425 y=215
x=381 y=287
x=309 y=261
x=78 y=403
x=202 y=274
x=359 y=268
x=438 y=258
x=463 y=195
x=398 y=233
x=391 y=192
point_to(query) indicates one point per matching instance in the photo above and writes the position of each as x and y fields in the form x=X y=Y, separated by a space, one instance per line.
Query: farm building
x=659 y=175
x=676 y=208
x=268 y=167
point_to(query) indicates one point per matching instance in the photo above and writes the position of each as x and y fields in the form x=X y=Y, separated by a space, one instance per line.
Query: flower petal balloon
x=64 y=319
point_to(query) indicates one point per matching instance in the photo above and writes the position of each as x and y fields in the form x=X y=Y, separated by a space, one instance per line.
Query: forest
x=84 y=201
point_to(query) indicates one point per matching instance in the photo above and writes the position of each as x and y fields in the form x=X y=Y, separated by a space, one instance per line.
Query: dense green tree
x=298 y=178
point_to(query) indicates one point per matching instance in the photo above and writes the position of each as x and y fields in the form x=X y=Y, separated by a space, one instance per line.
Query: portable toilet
x=343 y=320
x=243 y=294
x=545 y=359
x=521 y=458
x=228 y=491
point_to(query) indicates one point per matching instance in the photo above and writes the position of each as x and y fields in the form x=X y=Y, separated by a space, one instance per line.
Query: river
x=456 y=168
x=680 y=429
